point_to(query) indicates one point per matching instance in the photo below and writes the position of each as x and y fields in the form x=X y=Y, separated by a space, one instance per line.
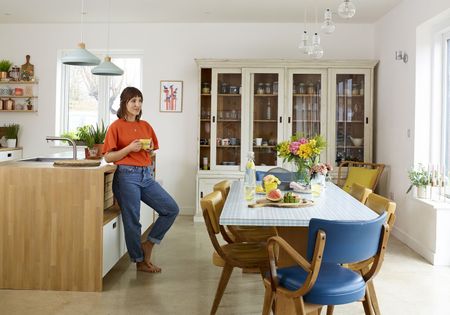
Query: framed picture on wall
x=171 y=96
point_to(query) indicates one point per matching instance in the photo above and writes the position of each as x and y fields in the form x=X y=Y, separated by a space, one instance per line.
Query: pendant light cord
x=109 y=22
x=81 y=24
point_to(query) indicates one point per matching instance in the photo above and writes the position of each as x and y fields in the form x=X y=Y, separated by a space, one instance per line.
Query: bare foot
x=143 y=266
x=147 y=248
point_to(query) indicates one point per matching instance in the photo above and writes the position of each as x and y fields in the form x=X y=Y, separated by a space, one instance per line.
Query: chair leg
x=224 y=277
x=330 y=309
x=367 y=304
x=299 y=306
x=269 y=297
x=373 y=297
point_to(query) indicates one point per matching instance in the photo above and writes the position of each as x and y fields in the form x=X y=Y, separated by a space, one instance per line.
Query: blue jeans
x=132 y=184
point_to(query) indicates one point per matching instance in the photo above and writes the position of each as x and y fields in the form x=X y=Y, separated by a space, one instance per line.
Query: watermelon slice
x=274 y=195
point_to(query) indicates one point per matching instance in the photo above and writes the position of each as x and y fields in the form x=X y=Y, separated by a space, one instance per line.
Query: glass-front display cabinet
x=351 y=96
x=266 y=114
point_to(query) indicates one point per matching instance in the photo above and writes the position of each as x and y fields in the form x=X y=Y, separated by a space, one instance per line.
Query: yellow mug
x=145 y=143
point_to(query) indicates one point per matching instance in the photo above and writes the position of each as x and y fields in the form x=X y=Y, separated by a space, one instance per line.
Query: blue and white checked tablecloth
x=333 y=204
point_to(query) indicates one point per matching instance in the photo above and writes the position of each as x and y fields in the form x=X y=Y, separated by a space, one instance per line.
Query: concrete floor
x=407 y=284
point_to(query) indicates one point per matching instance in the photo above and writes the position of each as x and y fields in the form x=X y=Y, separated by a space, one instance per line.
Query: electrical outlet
x=391 y=195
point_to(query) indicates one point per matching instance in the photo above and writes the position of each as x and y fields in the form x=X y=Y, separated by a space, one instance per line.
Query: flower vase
x=421 y=192
x=303 y=177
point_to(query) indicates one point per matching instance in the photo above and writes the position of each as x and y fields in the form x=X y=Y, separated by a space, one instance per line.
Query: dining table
x=333 y=203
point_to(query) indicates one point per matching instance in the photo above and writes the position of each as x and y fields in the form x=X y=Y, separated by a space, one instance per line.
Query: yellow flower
x=283 y=149
x=305 y=151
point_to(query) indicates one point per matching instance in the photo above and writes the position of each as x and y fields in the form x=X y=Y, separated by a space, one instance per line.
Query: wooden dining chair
x=359 y=192
x=241 y=233
x=320 y=279
x=241 y=255
x=363 y=173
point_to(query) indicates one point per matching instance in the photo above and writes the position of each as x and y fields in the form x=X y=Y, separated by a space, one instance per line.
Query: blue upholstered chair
x=284 y=175
x=321 y=279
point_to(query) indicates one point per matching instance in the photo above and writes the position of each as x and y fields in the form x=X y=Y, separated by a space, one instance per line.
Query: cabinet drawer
x=111 y=244
x=10 y=155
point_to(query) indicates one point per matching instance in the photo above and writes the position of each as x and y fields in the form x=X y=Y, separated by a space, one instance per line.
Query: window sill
x=438 y=205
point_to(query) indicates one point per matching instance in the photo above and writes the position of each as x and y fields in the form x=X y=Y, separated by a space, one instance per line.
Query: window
x=88 y=99
x=446 y=103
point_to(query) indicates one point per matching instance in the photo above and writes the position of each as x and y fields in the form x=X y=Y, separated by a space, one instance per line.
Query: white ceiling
x=203 y=11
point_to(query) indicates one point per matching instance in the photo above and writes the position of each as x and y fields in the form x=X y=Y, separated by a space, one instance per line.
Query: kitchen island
x=55 y=233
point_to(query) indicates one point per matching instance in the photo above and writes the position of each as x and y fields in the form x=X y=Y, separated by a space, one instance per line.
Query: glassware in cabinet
x=350 y=117
x=265 y=114
x=205 y=119
x=229 y=110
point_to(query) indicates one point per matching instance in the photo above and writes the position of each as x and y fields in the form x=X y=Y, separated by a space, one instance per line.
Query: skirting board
x=430 y=256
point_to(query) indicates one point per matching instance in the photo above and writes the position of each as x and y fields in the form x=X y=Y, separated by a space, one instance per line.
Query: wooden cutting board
x=77 y=163
x=267 y=203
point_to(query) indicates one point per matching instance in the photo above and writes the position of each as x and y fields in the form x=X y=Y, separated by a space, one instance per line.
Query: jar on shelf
x=268 y=88
x=355 y=89
x=310 y=88
x=206 y=89
x=301 y=88
x=260 y=88
x=224 y=88
x=275 y=87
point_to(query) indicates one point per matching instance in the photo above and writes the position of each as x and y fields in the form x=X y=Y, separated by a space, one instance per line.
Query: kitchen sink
x=45 y=159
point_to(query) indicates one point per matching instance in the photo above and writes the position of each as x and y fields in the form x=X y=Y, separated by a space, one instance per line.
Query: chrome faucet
x=74 y=146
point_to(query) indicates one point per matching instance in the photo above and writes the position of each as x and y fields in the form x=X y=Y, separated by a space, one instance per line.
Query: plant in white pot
x=11 y=133
x=420 y=179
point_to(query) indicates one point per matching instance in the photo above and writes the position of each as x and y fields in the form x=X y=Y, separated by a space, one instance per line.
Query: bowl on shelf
x=357 y=141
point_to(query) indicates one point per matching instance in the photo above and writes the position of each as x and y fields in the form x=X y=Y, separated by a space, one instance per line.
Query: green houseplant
x=419 y=178
x=93 y=138
x=4 y=68
x=11 y=133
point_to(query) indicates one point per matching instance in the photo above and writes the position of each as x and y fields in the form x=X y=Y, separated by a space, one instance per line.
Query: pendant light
x=328 y=26
x=80 y=56
x=346 y=9
x=107 y=67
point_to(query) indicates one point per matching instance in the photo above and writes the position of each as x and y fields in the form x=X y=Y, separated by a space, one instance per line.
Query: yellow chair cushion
x=364 y=176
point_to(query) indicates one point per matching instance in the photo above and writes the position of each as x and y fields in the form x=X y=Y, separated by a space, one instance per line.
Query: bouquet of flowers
x=321 y=169
x=303 y=152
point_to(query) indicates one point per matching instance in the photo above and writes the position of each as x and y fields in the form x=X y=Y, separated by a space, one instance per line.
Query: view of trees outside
x=87 y=95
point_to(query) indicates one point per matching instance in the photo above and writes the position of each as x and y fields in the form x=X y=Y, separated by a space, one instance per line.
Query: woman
x=133 y=180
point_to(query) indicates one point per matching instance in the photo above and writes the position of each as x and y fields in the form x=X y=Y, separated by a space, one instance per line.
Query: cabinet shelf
x=18 y=110
x=228 y=146
x=265 y=120
x=349 y=147
x=303 y=120
x=16 y=96
x=310 y=95
x=205 y=94
x=204 y=145
x=228 y=95
x=265 y=95
x=205 y=119
x=264 y=146
x=18 y=82
x=228 y=120
x=350 y=121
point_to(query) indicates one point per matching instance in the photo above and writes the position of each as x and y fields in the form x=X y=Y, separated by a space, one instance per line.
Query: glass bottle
x=260 y=88
x=250 y=178
x=269 y=110
x=268 y=89
x=206 y=88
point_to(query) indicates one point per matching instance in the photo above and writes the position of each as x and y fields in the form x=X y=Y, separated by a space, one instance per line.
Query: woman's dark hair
x=127 y=94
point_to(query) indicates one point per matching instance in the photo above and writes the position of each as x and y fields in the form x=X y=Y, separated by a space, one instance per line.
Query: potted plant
x=93 y=138
x=420 y=179
x=11 y=133
x=84 y=137
x=4 y=68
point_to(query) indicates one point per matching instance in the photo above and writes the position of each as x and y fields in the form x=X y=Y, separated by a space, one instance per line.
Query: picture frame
x=171 y=96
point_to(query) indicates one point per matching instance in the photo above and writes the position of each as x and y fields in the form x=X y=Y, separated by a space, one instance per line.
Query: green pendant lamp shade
x=80 y=57
x=107 y=68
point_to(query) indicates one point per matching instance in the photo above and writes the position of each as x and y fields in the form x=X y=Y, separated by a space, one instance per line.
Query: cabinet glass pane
x=265 y=113
x=349 y=117
x=205 y=119
x=306 y=104
x=229 y=111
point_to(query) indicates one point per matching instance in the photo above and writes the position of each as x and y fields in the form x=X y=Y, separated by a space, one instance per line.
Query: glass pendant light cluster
x=310 y=45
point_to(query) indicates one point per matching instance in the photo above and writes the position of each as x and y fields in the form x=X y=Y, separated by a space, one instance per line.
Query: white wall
x=169 y=53
x=396 y=107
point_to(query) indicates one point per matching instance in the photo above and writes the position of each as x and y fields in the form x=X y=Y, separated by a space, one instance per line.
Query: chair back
x=364 y=173
x=380 y=204
x=223 y=187
x=210 y=205
x=284 y=175
x=347 y=241
x=360 y=192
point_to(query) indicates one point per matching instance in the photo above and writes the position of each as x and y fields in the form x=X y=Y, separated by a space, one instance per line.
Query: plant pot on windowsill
x=94 y=153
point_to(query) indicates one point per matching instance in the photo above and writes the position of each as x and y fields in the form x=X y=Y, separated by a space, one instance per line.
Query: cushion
x=364 y=176
x=335 y=284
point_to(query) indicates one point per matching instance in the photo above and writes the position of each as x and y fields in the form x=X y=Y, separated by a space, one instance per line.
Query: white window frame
x=62 y=87
x=445 y=130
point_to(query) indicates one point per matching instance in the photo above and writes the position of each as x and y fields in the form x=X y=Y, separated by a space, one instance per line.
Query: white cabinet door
x=111 y=244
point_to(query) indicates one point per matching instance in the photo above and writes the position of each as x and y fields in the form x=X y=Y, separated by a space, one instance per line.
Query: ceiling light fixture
x=80 y=56
x=346 y=9
x=328 y=26
x=107 y=67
